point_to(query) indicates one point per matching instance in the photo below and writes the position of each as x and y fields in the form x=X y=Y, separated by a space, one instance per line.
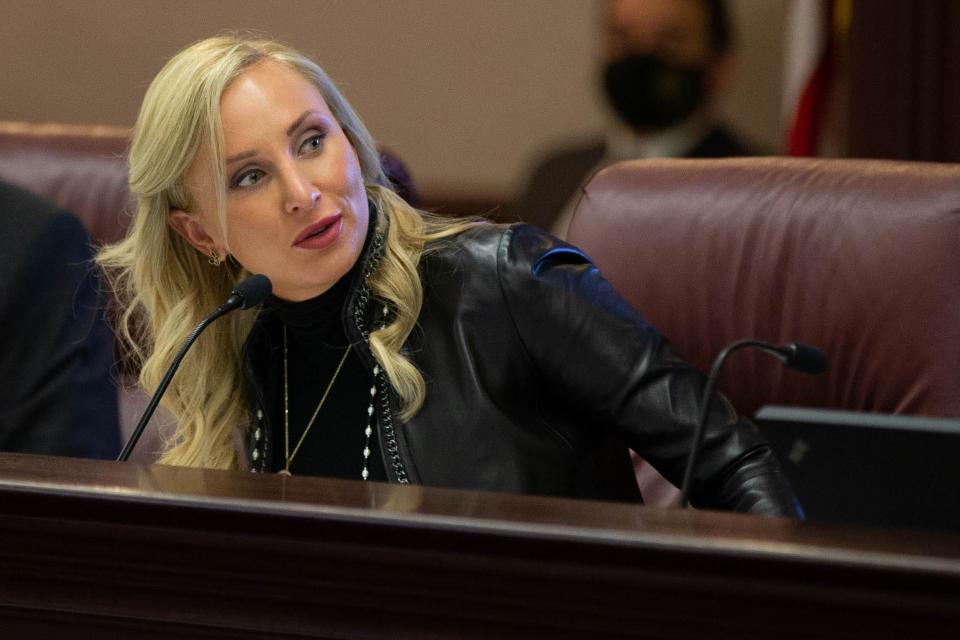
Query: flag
x=814 y=31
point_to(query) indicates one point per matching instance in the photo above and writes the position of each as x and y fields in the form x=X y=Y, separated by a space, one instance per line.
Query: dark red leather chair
x=858 y=257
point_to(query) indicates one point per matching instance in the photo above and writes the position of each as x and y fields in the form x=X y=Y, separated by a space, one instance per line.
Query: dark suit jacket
x=56 y=390
x=556 y=179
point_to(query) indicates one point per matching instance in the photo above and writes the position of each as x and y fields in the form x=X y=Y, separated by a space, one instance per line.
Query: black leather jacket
x=539 y=377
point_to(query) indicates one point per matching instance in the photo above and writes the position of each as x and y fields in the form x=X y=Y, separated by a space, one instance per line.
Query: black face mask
x=651 y=93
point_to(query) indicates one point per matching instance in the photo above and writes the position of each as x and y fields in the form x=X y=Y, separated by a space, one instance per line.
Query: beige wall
x=466 y=91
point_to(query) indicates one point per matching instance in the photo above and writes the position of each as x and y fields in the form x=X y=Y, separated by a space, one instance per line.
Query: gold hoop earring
x=214 y=258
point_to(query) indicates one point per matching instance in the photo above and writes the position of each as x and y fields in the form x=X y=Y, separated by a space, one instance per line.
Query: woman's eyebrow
x=240 y=156
x=299 y=121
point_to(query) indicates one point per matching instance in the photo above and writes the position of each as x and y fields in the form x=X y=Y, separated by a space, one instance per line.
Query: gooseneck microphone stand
x=248 y=293
x=794 y=355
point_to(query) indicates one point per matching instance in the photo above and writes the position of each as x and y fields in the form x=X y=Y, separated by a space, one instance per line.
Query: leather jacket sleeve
x=599 y=354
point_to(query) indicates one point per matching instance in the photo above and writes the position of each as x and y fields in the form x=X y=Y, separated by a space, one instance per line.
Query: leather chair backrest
x=81 y=168
x=858 y=257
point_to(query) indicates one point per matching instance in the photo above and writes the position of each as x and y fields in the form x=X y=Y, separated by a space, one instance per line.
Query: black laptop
x=868 y=468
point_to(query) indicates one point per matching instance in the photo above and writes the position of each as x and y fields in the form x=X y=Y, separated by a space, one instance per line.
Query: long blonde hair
x=166 y=287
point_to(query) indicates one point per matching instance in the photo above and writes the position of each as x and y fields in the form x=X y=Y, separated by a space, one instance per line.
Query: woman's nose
x=299 y=193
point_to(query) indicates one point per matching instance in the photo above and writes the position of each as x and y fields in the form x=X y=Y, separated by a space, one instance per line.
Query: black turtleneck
x=316 y=343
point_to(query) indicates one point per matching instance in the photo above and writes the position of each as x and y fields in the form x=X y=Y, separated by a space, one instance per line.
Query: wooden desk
x=100 y=549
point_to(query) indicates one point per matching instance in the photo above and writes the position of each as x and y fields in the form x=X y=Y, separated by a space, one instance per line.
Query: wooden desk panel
x=93 y=548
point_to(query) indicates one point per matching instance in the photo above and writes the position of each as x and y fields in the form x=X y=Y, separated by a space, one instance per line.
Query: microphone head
x=805 y=358
x=253 y=290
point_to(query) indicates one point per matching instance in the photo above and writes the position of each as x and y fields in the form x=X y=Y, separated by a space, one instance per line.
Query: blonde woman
x=396 y=346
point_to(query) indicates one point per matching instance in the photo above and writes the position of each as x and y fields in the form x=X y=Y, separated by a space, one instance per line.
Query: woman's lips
x=320 y=234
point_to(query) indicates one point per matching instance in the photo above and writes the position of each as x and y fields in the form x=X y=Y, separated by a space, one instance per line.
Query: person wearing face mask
x=666 y=60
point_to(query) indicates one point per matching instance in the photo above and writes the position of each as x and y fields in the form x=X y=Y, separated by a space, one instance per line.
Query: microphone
x=248 y=293
x=796 y=355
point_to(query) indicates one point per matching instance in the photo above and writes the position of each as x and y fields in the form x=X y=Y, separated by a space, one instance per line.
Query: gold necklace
x=286 y=406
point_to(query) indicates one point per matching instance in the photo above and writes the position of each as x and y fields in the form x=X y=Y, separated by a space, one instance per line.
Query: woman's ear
x=190 y=227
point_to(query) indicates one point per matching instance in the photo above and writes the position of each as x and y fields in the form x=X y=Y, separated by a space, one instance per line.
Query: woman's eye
x=312 y=144
x=248 y=178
